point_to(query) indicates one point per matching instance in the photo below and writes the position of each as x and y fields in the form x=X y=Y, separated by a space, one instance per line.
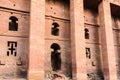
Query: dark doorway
x=55 y=57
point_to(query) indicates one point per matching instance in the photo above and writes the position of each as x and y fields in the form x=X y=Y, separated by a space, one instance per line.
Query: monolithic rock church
x=59 y=39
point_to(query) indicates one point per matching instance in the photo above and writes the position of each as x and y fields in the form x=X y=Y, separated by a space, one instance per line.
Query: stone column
x=37 y=40
x=108 y=52
x=78 y=40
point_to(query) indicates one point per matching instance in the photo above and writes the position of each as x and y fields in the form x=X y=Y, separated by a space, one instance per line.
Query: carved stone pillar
x=77 y=40
x=108 y=52
x=37 y=40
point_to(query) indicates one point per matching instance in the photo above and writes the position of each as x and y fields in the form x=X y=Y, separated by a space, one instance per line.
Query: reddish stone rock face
x=14 y=39
x=59 y=39
x=13 y=1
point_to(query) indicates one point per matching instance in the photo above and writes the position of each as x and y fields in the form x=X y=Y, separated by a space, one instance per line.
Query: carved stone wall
x=57 y=11
x=14 y=44
x=94 y=71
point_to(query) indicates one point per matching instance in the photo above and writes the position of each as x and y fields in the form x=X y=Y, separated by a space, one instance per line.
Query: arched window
x=55 y=57
x=13 y=25
x=86 y=33
x=55 y=29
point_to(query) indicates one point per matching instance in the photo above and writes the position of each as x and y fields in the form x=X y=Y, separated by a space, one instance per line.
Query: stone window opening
x=86 y=33
x=12 y=48
x=93 y=63
x=88 y=54
x=13 y=25
x=55 y=29
x=55 y=57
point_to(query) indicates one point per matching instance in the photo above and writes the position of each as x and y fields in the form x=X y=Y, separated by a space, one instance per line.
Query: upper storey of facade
x=21 y=5
x=14 y=13
x=95 y=3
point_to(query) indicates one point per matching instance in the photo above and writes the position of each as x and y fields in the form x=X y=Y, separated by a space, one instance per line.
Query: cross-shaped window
x=12 y=48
